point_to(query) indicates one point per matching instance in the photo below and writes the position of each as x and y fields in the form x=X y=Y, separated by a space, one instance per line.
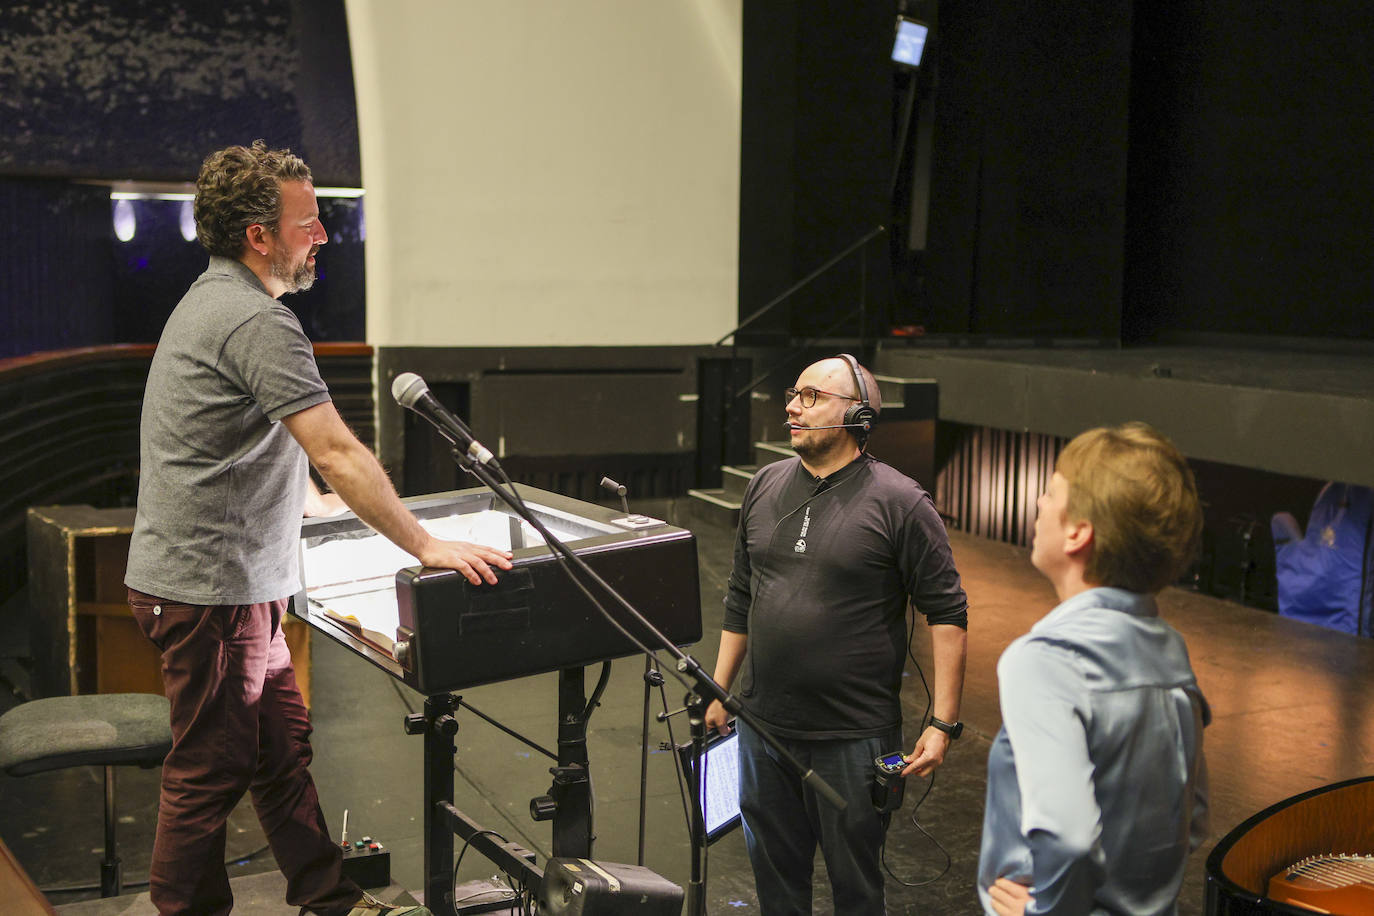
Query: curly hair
x=239 y=186
x=1137 y=490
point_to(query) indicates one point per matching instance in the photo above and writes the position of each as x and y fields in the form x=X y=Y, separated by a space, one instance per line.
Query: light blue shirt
x=1097 y=786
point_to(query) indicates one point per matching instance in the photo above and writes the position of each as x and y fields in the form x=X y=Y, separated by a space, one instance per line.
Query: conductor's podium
x=436 y=632
x=1309 y=853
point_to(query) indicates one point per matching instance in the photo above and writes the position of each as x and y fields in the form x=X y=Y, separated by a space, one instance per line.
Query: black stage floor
x=1292 y=707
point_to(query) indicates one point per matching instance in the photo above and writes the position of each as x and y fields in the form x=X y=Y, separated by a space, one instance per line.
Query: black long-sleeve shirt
x=823 y=571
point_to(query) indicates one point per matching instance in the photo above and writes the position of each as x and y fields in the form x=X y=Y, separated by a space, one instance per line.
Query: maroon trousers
x=238 y=724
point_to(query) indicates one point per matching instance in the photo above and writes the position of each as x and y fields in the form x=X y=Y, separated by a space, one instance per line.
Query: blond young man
x=1096 y=781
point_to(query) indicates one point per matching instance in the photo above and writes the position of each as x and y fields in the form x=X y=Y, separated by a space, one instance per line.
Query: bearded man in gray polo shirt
x=233 y=410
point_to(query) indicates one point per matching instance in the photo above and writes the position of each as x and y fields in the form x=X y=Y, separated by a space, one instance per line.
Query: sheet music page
x=721 y=801
x=373 y=614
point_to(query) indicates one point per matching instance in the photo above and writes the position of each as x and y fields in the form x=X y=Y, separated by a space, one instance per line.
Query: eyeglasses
x=809 y=395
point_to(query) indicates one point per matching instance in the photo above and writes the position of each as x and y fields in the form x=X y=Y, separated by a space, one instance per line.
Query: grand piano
x=433 y=630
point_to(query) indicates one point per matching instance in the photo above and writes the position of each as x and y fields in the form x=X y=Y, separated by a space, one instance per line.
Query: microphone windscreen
x=611 y=486
x=408 y=388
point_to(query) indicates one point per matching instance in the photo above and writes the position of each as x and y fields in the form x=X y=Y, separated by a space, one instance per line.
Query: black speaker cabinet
x=581 y=887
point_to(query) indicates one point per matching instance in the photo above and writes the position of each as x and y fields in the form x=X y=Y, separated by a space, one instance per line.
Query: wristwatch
x=953 y=729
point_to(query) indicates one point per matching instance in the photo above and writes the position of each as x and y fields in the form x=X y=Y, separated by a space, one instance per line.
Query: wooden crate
x=82 y=636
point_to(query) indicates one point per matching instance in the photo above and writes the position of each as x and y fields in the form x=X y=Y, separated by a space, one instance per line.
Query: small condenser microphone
x=619 y=489
x=411 y=392
x=631 y=519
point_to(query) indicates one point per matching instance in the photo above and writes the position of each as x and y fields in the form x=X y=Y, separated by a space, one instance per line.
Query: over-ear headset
x=860 y=416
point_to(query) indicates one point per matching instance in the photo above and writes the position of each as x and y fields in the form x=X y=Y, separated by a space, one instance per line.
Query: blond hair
x=1137 y=490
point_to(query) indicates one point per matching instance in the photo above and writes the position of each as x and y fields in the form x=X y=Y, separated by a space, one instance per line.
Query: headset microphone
x=864 y=426
x=863 y=414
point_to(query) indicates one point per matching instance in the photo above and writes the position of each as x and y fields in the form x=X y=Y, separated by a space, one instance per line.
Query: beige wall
x=551 y=173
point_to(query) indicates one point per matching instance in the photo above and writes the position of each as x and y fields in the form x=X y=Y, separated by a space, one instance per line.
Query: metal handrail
x=763 y=376
x=804 y=281
x=731 y=398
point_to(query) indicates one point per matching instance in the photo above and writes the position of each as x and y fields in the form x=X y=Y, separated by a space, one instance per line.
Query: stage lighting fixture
x=125 y=223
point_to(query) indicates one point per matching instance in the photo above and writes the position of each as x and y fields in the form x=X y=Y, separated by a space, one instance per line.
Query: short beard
x=296 y=281
x=816 y=451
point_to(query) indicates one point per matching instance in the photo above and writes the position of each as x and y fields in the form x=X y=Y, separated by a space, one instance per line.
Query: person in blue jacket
x=1096 y=781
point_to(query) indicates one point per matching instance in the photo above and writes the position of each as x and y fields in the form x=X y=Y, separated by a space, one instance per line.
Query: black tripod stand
x=696 y=719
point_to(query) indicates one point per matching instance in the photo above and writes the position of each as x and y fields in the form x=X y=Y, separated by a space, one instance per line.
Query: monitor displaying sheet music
x=720 y=792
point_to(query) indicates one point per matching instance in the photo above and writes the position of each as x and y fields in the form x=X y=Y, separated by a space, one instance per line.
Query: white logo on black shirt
x=800 y=546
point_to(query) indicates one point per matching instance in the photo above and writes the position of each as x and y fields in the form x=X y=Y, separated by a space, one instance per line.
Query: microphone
x=619 y=489
x=411 y=392
x=864 y=426
x=631 y=520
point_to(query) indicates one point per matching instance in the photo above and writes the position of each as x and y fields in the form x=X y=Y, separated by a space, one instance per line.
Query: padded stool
x=108 y=729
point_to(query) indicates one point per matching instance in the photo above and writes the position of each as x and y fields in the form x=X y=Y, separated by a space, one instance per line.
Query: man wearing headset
x=831 y=545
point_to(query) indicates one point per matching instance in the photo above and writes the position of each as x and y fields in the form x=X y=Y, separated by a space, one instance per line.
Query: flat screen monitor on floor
x=720 y=791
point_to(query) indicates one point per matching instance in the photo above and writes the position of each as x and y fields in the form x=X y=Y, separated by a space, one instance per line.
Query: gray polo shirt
x=222 y=482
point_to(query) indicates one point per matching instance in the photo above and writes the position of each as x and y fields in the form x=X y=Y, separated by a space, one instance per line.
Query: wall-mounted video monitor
x=910 y=45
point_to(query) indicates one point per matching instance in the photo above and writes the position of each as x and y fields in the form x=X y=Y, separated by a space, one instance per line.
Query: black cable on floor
x=930 y=699
x=917 y=824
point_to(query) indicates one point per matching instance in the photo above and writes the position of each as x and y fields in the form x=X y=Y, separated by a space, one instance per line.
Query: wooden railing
x=69 y=430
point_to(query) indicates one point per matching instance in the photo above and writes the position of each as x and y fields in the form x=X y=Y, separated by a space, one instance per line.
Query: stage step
x=769 y=452
x=712 y=506
x=893 y=390
x=736 y=479
x=720 y=505
x=261 y=894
